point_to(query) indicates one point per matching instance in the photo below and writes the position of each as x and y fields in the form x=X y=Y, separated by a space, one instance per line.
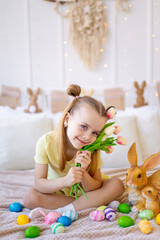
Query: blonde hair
x=60 y=132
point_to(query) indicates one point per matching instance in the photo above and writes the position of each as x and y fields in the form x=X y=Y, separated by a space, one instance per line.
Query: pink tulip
x=121 y=140
x=111 y=112
x=117 y=130
x=109 y=149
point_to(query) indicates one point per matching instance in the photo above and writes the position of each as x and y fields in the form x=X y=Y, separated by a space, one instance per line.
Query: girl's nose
x=87 y=136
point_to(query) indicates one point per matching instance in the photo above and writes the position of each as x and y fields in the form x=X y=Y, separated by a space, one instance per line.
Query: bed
x=14 y=184
x=19 y=132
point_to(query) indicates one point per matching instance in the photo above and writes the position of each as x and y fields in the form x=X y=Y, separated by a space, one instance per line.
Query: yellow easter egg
x=22 y=219
x=101 y=208
x=145 y=226
x=158 y=218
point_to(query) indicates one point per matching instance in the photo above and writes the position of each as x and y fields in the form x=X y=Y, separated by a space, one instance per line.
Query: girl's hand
x=83 y=158
x=74 y=176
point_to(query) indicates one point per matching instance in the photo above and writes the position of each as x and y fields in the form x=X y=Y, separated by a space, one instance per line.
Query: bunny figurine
x=140 y=90
x=136 y=178
x=152 y=197
x=33 y=106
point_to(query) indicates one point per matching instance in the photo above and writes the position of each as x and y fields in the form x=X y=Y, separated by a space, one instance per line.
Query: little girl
x=57 y=152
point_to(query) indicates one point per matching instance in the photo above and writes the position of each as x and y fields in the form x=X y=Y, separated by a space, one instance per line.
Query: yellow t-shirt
x=47 y=153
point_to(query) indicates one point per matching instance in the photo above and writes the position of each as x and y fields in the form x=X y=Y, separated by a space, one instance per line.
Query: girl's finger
x=88 y=153
x=78 y=152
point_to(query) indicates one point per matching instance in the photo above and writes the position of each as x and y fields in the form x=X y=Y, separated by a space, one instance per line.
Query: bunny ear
x=40 y=210
x=83 y=92
x=37 y=91
x=90 y=93
x=29 y=91
x=143 y=84
x=152 y=161
x=136 y=84
x=132 y=155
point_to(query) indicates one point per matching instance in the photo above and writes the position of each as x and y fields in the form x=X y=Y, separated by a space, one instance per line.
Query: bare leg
x=110 y=190
x=34 y=199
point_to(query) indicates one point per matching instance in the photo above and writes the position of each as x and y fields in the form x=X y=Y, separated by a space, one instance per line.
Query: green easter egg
x=124 y=208
x=101 y=208
x=146 y=214
x=125 y=221
x=32 y=232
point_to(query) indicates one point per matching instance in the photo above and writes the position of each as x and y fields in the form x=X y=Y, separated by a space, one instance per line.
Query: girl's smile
x=82 y=142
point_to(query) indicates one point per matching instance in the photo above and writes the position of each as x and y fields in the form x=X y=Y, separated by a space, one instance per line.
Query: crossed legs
x=110 y=190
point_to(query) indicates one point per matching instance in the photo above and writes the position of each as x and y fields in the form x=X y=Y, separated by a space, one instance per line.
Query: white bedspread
x=15 y=183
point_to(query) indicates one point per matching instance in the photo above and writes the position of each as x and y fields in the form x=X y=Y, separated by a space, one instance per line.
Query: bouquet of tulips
x=103 y=143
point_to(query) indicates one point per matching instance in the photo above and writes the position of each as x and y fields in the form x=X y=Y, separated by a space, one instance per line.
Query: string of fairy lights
x=155 y=36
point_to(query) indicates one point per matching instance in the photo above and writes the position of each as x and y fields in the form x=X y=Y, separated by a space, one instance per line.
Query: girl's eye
x=83 y=127
x=95 y=133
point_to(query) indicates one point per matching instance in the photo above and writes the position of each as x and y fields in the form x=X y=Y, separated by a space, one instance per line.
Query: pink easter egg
x=97 y=215
x=52 y=217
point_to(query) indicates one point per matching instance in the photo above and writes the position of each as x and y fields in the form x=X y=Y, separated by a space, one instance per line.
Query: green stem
x=76 y=185
x=82 y=191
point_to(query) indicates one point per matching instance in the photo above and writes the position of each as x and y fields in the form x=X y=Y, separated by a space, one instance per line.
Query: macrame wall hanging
x=88 y=27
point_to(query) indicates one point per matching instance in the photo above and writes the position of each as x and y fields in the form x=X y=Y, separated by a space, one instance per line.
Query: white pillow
x=18 y=142
x=118 y=158
x=148 y=125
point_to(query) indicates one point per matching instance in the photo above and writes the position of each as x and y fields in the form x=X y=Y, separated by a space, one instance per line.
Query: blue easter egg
x=15 y=207
x=66 y=221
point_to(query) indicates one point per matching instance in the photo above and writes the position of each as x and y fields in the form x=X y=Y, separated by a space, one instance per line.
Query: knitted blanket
x=15 y=183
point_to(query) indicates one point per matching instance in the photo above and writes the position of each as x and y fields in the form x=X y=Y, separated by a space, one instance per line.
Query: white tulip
x=109 y=130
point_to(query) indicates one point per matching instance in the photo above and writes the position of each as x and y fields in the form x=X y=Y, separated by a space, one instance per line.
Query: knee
x=119 y=186
x=30 y=199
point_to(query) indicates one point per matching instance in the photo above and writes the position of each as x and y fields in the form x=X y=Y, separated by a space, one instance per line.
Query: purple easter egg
x=110 y=214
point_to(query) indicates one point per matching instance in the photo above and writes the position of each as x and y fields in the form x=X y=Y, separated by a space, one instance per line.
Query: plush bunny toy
x=33 y=106
x=136 y=178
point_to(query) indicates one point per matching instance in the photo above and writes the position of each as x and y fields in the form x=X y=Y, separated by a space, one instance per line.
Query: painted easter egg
x=71 y=214
x=145 y=226
x=124 y=208
x=66 y=221
x=97 y=215
x=22 y=219
x=52 y=217
x=15 y=207
x=57 y=228
x=146 y=214
x=114 y=205
x=158 y=218
x=32 y=232
x=125 y=221
x=101 y=208
x=110 y=214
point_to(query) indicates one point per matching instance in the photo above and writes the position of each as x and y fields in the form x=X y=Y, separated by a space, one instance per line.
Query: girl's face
x=83 y=127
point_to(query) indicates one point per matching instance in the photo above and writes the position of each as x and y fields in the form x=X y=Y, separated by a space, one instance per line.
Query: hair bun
x=74 y=90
